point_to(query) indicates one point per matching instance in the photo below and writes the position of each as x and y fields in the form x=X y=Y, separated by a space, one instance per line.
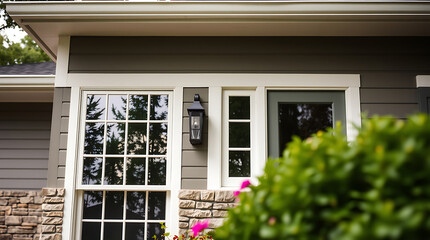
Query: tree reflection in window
x=139 y=214
x=128 y=134
x=106 y=134
x=302 y=120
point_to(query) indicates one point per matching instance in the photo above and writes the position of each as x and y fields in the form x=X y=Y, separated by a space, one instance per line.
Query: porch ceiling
x=46 y=21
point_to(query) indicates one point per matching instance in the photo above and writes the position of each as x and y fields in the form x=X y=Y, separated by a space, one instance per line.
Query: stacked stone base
x=23 y=214
x=198 y=205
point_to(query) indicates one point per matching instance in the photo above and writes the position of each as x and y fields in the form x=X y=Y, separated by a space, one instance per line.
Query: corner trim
x=423 y=81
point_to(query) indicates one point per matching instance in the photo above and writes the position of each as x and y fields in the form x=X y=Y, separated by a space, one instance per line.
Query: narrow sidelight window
x=237 y=141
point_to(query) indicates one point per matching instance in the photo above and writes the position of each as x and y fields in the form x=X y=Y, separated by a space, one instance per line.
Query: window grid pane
x=115 y=216
x=141 y=136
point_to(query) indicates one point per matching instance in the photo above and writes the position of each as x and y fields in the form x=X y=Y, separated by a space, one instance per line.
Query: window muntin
x=124 y=163
x=118 y=214
x=127 y=143
x=237 y=136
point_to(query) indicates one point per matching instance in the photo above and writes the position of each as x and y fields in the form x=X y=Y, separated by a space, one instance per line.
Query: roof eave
x=45 y=21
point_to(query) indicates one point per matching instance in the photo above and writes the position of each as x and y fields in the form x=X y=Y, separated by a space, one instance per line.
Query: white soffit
x=46 y=21
x=26 y=88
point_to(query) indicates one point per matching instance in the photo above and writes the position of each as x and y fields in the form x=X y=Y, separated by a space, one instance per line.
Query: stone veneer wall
x=27 y=215
x=198 y=205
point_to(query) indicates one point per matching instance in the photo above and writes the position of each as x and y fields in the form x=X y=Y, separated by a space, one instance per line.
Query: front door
x=301 y=113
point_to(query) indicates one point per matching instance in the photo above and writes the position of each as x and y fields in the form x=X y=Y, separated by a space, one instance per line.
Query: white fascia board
x=211 y=9
x=27 y=81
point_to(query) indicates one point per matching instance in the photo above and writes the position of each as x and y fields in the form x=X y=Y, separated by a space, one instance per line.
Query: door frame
x=336 y=98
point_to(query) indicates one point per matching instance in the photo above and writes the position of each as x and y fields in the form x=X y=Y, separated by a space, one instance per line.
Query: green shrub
x=377 y=187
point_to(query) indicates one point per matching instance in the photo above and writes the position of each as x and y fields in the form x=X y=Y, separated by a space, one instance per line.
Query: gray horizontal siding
x=59 y=130
x=424 y=103
x=387 y=66
x=24 y=145
x=194 y=157
x=247 y=54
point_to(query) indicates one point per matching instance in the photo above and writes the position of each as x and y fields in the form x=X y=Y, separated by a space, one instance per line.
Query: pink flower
x=272 y=221
x=200 y=226
x=235 y=193
x=245 y=184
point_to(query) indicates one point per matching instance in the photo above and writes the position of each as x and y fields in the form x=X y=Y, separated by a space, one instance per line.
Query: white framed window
x=123 y=177
x=238 y=136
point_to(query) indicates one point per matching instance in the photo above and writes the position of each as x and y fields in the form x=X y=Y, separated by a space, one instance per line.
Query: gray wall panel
x=58 y=145
x=24 y=145
x=194 y=183
x=399 y=96
x=22 y=184
x=247 y=54
x=424 y=93
x=195 y=172
x=194 y=157
x=397 y=110
x=387 y=66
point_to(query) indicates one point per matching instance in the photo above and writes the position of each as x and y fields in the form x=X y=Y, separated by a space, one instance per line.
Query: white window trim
x=146 y=188
x=423 y=81
x=235 y=181
x=350 y=83
x=72 y=209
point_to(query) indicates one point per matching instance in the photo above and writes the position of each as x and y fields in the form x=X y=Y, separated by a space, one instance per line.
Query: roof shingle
x=43 y=68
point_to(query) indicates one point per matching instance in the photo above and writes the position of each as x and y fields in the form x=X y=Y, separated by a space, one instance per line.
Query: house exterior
x=120 y=160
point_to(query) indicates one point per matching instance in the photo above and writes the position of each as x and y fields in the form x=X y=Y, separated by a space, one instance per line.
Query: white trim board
x=252 y=80
x=71 y=226
x=216 y=83
x=30 y=81
x=423 y=81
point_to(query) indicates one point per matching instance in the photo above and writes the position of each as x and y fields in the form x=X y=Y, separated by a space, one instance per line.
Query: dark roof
x=44 y=68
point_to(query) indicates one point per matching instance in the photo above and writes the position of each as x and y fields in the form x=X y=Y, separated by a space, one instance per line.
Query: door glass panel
x=302 y=120
x=301 y=113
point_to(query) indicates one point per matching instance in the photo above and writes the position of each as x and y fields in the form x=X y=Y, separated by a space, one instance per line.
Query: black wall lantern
x=196 y=113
